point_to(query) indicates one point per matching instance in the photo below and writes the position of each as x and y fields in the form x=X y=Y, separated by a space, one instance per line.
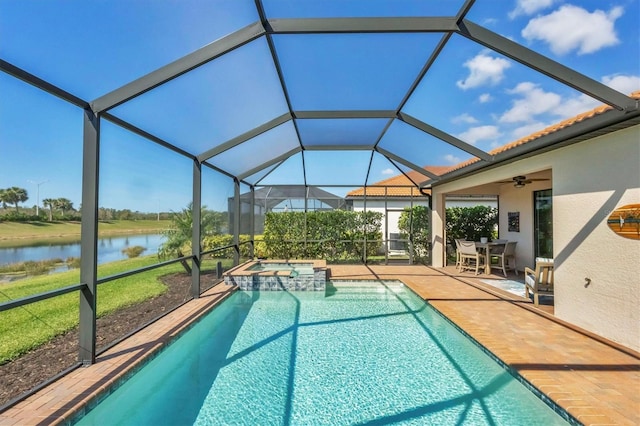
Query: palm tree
x=213 y=223
x=14 y=195
x=3 y=200
x=64 y=204
x=51 y=203
x=180 y=234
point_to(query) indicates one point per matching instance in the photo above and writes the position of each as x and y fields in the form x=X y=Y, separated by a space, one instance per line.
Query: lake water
x=109 y=249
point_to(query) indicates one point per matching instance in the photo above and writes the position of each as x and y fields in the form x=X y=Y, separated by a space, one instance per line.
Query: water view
x=109 y=249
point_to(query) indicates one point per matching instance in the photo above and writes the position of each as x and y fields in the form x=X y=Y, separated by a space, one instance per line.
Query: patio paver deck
x=597 y=381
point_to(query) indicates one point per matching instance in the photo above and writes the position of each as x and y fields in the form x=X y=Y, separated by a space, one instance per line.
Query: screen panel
x=75 y=38
x=130 y=176
x=558 y=31
x=420 y=148
x=289 y=172
x=488 y=100
x=340 y=131
x=212 y=104
x=256 y=151
x=40 y=153
x=359 y=8
x=326 y=168
x=351 y=71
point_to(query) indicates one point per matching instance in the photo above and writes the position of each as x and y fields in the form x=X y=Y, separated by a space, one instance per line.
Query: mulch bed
x=61 y=353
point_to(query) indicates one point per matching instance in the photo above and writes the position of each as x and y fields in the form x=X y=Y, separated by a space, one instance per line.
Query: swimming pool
x=359 y=353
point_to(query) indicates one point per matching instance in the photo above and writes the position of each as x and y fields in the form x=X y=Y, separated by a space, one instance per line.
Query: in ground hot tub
x=274 y=275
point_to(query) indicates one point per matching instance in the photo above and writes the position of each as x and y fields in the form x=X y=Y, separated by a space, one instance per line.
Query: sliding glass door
x=543 y=223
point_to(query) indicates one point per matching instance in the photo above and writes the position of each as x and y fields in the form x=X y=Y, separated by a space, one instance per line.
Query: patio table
x=486 y=249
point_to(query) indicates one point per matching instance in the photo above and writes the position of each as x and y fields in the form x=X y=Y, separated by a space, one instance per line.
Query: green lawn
x=29 y=326
x=14 y=232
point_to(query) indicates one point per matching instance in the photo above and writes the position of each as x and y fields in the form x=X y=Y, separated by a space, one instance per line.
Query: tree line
x=59 y=209
x=15 y=195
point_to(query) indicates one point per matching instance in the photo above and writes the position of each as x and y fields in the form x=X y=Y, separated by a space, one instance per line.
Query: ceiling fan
x=520 y=181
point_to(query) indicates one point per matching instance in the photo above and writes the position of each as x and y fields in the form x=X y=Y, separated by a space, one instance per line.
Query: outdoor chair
x=458 y=261
x=540 y=281
x=469 y=257
x=497 y=249
x=505 y=254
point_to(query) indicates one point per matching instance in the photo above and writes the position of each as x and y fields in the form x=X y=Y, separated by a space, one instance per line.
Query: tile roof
x=399 y=185
x=440 y=170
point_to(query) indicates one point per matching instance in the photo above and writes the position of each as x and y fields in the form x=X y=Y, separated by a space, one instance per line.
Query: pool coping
x=243 y=268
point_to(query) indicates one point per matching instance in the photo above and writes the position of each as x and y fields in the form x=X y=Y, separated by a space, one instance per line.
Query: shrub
x=211 y=242
x=415 y=225
x=331 y=235
x=32 y=267
x=12 y=268
x=133 y=251
x=73 y=262
x=471 y=223
x=260 y=247
x=13 y=216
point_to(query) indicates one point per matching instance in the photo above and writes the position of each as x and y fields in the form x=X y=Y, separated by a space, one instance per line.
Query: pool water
x=359 y=353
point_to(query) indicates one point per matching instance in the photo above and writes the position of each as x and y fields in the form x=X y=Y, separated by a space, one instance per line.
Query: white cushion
x=530 y=280
x=544 y=259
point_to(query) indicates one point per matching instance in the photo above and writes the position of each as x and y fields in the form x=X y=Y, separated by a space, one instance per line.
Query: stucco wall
x=520 y=200
x=592 y=179
x=394 y=216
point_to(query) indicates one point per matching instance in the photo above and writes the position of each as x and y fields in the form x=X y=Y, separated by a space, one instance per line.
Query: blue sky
x=91 y=48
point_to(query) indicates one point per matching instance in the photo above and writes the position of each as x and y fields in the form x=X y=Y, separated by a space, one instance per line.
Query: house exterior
x=582 y=181
x=391 y=196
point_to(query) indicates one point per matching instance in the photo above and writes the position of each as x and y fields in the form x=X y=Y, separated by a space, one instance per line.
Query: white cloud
x=573 y=28
x=387 y=171
x=527 y=129
x=484 y=98
x=533 y=101
x=574 y=106
x=579 y=104
x=480 y=133
x=622 y=83
x=464 y=118
x=483 y=69
x=489 y=22
x=529 y=7
x=452 y=159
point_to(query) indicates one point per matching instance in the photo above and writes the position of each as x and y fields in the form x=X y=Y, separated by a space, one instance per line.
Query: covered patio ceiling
x=491 y=186
x=288 y=87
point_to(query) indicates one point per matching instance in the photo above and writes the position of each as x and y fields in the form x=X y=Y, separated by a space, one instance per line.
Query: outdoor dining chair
x=458 y=261
x=505 y=254
x=470 y=258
